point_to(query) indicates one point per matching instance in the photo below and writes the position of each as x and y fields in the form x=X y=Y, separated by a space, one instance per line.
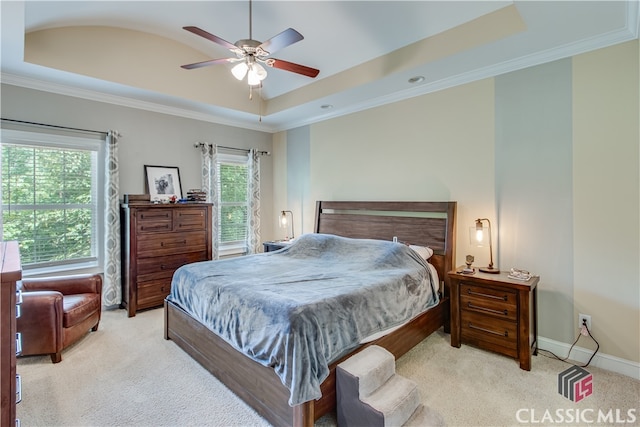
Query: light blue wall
x=298 y=166
x=533 y=161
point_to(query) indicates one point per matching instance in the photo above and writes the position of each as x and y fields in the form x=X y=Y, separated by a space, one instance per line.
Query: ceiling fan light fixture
x=256 y=74
x=240 y=70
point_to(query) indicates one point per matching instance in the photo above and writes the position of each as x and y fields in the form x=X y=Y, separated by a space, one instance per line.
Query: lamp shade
x=284 y=221
x=240 y=70
x=481 y=236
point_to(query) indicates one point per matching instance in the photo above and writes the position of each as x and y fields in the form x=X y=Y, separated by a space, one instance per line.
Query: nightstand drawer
x=484 y=329
x=488 y=294
x=500 y=304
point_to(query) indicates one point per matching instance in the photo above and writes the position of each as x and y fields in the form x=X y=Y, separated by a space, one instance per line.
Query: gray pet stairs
x=369 y=392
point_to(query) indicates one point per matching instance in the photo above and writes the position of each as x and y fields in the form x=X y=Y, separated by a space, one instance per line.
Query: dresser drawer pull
x=489 y=331
x=191 y=214
x=155 y=216
x=490 y=310
x=18 y=389
x=154 y=227
x=18 y=343
x=181 y=242
x=480 y=294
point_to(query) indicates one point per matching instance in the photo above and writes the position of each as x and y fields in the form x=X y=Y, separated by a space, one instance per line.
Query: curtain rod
x=200 y=144
x=56 y=126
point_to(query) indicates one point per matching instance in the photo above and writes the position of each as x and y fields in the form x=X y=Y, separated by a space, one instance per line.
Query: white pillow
x=424 y=251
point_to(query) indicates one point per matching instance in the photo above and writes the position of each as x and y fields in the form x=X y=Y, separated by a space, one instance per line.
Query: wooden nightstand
x=496 y=313
x=273 y=246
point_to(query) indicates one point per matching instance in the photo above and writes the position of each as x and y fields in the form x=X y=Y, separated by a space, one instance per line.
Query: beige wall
x=441 y=147
x=606 y=196
x=436 y=147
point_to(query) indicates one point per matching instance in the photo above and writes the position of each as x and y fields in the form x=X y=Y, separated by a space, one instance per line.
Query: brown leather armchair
x=58 y=311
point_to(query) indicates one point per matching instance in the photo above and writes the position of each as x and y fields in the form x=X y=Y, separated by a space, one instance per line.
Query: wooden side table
x=273 y=246
x=496 y=313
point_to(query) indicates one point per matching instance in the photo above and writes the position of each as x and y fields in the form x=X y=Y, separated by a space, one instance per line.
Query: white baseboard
x=600 y=360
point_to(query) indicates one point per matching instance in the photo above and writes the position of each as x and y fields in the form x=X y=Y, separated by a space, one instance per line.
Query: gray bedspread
x=302 y=307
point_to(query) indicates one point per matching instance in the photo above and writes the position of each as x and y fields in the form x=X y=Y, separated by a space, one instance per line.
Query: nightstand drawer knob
x=480 y=294
x=489 y=310
x=489 y=331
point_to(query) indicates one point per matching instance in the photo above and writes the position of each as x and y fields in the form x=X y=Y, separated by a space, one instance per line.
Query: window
x=233 y=175
x=51 y=192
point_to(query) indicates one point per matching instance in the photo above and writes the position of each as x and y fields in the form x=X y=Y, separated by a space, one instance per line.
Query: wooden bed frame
x=422 y=223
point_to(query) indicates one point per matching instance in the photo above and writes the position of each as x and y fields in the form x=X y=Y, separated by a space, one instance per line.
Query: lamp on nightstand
x=284 y=222
x=479 y=236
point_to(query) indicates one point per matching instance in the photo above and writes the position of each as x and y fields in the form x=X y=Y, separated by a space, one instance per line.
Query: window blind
x=50 y=199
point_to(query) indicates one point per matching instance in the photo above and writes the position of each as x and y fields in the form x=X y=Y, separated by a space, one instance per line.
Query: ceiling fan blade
x=207 y=63
x=282 y=40
x=209 y=36
x=294 y=68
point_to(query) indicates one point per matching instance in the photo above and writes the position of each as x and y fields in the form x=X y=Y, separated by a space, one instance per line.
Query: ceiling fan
x=251 y=53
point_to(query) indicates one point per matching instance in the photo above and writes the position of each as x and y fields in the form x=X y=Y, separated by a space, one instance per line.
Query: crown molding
x=539 y=58
x=92 y=95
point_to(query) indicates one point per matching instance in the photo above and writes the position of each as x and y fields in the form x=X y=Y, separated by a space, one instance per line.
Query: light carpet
x=127 y=374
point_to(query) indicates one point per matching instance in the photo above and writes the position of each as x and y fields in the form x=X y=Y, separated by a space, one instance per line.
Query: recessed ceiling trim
x=624 y=34
x=60 y=89
x=561 y=52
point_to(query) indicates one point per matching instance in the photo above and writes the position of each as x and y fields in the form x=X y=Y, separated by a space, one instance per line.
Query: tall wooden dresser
x=156 y=240
x=10 y=273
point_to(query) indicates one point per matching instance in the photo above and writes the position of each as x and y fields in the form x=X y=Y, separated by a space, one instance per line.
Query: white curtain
x=253 y=217
x=111 y=287
x=209 y=155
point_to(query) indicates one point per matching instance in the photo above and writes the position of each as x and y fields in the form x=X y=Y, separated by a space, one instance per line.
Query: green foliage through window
x=233 y=202
x=49 y=202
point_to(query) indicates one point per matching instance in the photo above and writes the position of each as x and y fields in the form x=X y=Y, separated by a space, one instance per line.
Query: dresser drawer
x=153 y=220
x=153 y=292
x=161 y=244
x=165 y=266
x=479 y=329
x=190 y=219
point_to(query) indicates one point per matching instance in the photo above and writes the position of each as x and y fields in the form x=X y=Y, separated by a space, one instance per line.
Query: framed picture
x=162 y=182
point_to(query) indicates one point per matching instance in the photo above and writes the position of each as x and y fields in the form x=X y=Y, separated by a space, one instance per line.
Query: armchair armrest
x=41 y=322
x=66 y=285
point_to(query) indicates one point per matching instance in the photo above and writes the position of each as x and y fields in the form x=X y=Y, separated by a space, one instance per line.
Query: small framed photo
x=162 y=182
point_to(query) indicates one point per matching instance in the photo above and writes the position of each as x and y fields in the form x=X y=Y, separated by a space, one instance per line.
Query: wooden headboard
x=430 y=224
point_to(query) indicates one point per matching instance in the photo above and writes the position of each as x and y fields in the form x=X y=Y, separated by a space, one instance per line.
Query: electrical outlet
x=584 y=318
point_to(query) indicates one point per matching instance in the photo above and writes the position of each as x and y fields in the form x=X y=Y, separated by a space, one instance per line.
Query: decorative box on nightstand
x=495 y=312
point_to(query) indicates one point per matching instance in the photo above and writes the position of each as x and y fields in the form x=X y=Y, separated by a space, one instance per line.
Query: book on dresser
x=157 y=239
